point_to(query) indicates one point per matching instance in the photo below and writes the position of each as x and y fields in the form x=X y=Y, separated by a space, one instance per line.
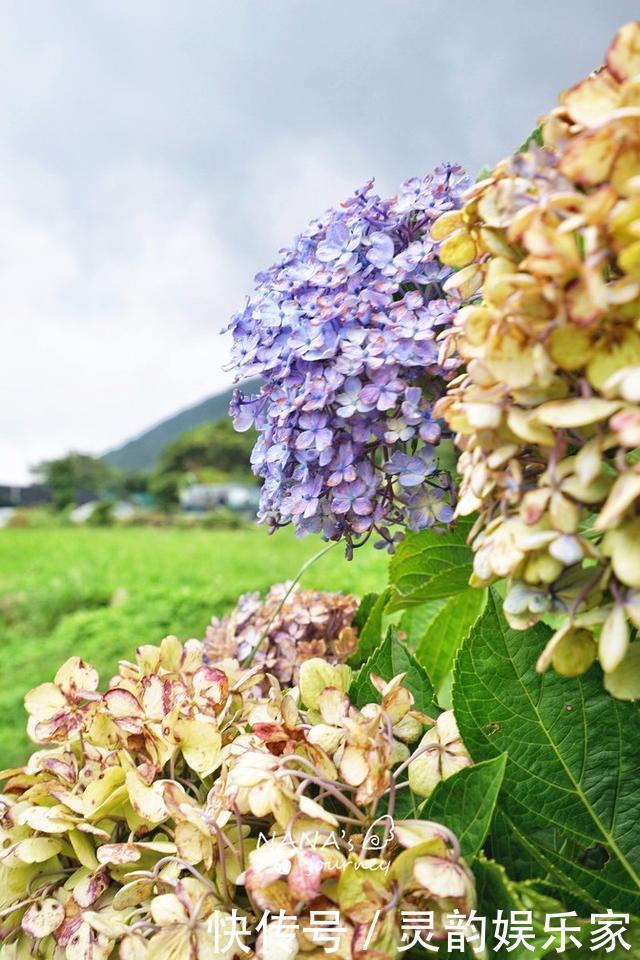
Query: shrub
x=102 y=514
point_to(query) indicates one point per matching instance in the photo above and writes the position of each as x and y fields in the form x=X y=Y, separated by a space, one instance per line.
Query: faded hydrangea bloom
x=441 y=754
x=194 y=803
x=547 y=414
x=344 y=333
x=293 y=628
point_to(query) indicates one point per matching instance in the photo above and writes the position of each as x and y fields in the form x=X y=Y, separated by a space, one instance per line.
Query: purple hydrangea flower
x=412 y=471
x=344 y=331
x=426 y=507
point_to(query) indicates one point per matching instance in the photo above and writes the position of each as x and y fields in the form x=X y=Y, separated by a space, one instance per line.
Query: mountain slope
x=141 y=452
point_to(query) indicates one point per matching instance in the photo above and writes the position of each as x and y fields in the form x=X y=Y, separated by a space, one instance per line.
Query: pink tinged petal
x=42 y=918
x=57 y=728
x=132 y=725
x=153 y=697
x=67 y=930
x=76 y=675
x=212 y=684
x=147 y=772
x=61 y=769
x=91 y=888
x=46 y=819
x=122 y=704
x=118 y=853
x=305 y=877
x=268 y=863
x=85 y=944
x=269 y=731
x=93 y=830
x=398 y=702
x=146 y=801
x=174 y=796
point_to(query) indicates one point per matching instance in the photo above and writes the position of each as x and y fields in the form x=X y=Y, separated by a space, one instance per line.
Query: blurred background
x=154 y=155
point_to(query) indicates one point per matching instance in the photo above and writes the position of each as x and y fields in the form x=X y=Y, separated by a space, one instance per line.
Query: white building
x=207 y=496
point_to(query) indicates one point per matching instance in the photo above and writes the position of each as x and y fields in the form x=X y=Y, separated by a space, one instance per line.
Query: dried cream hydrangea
x=547 y=414
x=172 y=814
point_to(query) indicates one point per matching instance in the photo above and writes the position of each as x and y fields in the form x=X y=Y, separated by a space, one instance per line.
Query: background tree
x=165 y=488
x=135 y=481
x=214 y=445
x=74 y=474
x=209 y=453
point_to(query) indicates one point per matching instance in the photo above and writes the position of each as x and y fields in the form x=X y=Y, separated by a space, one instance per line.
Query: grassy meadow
x=98 y=593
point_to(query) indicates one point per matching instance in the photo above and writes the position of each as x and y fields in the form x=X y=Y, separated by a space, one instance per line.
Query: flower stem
x=305 y=566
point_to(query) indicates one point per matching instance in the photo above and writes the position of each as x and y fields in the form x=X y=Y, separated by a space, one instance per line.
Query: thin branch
x=305 y=566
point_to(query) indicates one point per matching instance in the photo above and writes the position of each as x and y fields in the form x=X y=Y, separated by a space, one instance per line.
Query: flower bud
x=575 y=653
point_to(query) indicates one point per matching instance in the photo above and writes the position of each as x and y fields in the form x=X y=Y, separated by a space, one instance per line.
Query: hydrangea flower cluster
x=548 y=412
x=286 y=628
x=344 y=330
x=197 y=812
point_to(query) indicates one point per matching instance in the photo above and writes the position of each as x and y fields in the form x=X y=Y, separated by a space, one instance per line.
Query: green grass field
x=98 y=593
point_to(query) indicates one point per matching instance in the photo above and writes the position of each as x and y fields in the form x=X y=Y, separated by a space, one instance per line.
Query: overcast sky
x=154 y=155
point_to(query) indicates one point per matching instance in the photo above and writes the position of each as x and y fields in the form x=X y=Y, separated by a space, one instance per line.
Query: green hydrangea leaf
x=496 y=891
x=508 y=847
x=390 y=659
x=465 y=803
x=534 y=138
x=631 y=936
x=436 y=630
x=429 y=566
x=574 y=764
x=416 y=621
x=364 y=609
x=368 y=620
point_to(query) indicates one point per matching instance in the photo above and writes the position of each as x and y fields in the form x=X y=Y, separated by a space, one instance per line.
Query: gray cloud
x=156 y=154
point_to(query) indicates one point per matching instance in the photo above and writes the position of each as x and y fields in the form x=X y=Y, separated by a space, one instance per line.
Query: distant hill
x=142 y=451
